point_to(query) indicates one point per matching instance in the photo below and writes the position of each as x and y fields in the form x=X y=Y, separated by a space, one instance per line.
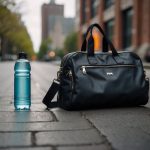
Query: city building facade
x=126 y=22
x=55 y=25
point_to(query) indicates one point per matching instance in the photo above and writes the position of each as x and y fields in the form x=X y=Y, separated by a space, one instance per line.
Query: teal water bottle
x=22 y=83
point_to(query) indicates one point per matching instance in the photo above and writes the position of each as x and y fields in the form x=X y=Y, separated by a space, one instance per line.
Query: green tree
x=12 y=30
x=44 y=48
x=60 y=53
x=7 y=3
x=70 y=43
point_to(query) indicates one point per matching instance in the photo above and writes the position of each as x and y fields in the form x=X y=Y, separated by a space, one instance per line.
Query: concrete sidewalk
x=41 y=129
x=57 y=129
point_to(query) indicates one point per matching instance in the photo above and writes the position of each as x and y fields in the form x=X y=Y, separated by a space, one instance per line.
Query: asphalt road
x=104 y=129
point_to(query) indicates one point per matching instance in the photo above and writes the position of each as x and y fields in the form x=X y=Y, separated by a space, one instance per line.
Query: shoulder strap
x=51 y=93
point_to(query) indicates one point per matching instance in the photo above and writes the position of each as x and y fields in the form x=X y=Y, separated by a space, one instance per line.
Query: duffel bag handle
x=106 y=41
x=84 y=44
x=112 y=48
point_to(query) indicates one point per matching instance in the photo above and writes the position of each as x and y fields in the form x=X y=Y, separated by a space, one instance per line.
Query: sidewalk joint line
x=106 y=141
x=53 y=116
x=38 y=131
x=52 y=145
x=33 y=138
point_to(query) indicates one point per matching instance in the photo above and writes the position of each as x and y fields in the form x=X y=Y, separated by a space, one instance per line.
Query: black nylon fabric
x=112 y=81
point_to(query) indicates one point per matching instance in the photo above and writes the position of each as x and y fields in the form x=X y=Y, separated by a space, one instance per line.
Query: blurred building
x=126 y=22
x=54 y=25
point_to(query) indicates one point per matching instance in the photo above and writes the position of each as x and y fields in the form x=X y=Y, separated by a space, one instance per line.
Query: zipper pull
x=83 y=70
x=71 y=77
x=70 y=74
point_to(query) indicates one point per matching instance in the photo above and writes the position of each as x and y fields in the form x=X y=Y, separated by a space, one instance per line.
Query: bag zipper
x=71 y=77
x=83 y=68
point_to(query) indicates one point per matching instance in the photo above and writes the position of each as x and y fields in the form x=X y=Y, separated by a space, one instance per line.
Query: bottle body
x=22 y=85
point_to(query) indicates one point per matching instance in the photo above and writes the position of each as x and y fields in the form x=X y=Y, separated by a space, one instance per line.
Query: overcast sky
x=31 y=16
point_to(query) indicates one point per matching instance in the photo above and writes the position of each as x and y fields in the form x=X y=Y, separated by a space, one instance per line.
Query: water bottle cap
x=22 y=55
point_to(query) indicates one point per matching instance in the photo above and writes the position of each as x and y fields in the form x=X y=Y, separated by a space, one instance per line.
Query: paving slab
x=29 y=148
x=34 y=107
x=127 y=138
x=89 y=147
x=125 y=129
x=131 y=117
x=67 y=116
x=15 y=139
x=69 y=137
x=10 y=100
x=25 y=116
x=44 y=126
x=6 y=101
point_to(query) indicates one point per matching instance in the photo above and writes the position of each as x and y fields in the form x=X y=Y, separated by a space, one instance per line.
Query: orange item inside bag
x=97 y=40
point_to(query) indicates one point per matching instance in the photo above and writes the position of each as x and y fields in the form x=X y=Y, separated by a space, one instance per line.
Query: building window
x=108 y=3
x=83 y=11
x=127 y=28
x=94 y=8
x=109 y=29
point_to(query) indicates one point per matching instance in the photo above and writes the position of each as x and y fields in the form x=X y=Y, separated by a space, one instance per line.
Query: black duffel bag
x=94 y=80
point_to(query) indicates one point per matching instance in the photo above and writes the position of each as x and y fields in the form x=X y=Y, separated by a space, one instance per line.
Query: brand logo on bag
x=110 y=73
